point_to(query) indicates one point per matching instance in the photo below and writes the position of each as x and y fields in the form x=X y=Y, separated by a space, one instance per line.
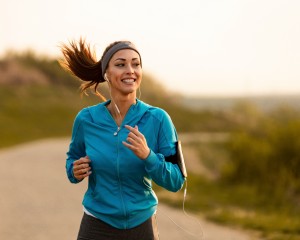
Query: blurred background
x=226 y=71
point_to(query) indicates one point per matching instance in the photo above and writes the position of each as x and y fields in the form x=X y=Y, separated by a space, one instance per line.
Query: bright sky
x=196 y=47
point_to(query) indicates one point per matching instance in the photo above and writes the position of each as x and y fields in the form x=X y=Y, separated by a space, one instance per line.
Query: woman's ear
x=105 y=77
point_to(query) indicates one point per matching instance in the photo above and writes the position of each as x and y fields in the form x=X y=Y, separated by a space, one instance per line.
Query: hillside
x=263 y=102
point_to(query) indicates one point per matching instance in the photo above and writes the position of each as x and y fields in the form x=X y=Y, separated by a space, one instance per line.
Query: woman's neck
x=118 y=107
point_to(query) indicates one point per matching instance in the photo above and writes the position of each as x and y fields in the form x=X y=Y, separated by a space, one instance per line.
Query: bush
x=267 y=155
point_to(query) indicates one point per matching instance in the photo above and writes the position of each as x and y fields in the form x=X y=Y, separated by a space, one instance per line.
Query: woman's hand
x=137 y=143
x=81 y=168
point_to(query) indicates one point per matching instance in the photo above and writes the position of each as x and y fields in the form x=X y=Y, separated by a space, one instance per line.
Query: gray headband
x=119 y=46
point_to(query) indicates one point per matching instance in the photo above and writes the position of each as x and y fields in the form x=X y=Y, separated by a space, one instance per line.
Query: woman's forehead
x=126 y=54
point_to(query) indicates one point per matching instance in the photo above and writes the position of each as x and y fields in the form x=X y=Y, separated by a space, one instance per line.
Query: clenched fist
x=81 y=168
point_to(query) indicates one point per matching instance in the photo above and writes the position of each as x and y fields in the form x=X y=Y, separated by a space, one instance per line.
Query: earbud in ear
x=105 y=77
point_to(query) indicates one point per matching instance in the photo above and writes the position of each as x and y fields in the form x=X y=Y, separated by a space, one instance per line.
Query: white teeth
x=128 y=80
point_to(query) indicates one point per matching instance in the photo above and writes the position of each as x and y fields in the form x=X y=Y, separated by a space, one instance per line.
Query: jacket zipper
x=120 y=183
x=116 y=134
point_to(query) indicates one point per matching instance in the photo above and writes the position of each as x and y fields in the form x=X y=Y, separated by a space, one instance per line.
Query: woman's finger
x=82 y=173
x=134 y=130
x=82 y=160
x=84 y=170
x=81 y=166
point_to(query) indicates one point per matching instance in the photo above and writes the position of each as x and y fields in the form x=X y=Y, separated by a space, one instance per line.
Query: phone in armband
x=178 y=159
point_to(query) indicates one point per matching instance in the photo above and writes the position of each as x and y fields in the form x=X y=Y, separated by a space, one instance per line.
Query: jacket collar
x=101 y=116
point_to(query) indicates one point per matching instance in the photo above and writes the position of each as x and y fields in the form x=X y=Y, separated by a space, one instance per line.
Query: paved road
x=38 y=203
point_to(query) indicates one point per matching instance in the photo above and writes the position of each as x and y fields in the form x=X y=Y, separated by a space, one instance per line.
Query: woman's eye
x=123 y=64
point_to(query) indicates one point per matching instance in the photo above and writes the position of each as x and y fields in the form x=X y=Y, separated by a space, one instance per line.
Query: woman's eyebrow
x=123 y=59
x=120 y=59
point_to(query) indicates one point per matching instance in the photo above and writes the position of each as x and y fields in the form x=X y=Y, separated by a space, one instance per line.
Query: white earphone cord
x=201 y=235
x=105 y=77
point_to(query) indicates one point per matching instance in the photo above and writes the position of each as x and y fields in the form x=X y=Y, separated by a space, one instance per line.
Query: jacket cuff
x=151 y=161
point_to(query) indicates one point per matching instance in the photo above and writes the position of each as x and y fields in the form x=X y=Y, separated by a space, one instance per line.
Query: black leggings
x=94 y=229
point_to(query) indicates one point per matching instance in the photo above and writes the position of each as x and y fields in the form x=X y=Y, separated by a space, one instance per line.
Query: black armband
x=178 y=159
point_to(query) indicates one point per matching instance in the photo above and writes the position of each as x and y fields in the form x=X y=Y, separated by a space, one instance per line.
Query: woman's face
x=124 y=72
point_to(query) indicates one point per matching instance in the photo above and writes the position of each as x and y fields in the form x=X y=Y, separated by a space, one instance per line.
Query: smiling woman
x=120 y=145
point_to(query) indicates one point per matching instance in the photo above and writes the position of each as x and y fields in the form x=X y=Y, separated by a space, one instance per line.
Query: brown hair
x=81 y=61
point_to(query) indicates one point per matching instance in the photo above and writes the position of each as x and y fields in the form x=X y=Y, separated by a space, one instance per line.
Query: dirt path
x=38 y=203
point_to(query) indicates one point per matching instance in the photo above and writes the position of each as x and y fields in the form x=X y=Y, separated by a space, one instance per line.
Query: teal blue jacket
x=120 y=189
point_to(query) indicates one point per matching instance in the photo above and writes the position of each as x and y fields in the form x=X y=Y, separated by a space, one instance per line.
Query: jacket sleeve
x=76 y=148
x=163 y=173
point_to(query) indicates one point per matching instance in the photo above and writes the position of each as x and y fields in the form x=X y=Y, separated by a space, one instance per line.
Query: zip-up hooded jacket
x=119 y=188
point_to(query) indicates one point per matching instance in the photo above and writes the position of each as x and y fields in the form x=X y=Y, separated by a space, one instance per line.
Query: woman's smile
x=128 y=80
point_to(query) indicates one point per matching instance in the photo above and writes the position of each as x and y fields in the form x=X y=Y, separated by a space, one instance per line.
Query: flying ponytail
x=82 y=63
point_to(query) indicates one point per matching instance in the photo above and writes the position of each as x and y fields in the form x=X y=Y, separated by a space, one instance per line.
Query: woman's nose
x=129 y=69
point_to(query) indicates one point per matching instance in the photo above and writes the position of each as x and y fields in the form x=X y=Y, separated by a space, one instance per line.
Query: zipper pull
x=116 y=133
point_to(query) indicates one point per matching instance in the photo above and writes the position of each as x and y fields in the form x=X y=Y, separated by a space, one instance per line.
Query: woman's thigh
x=146 y=231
